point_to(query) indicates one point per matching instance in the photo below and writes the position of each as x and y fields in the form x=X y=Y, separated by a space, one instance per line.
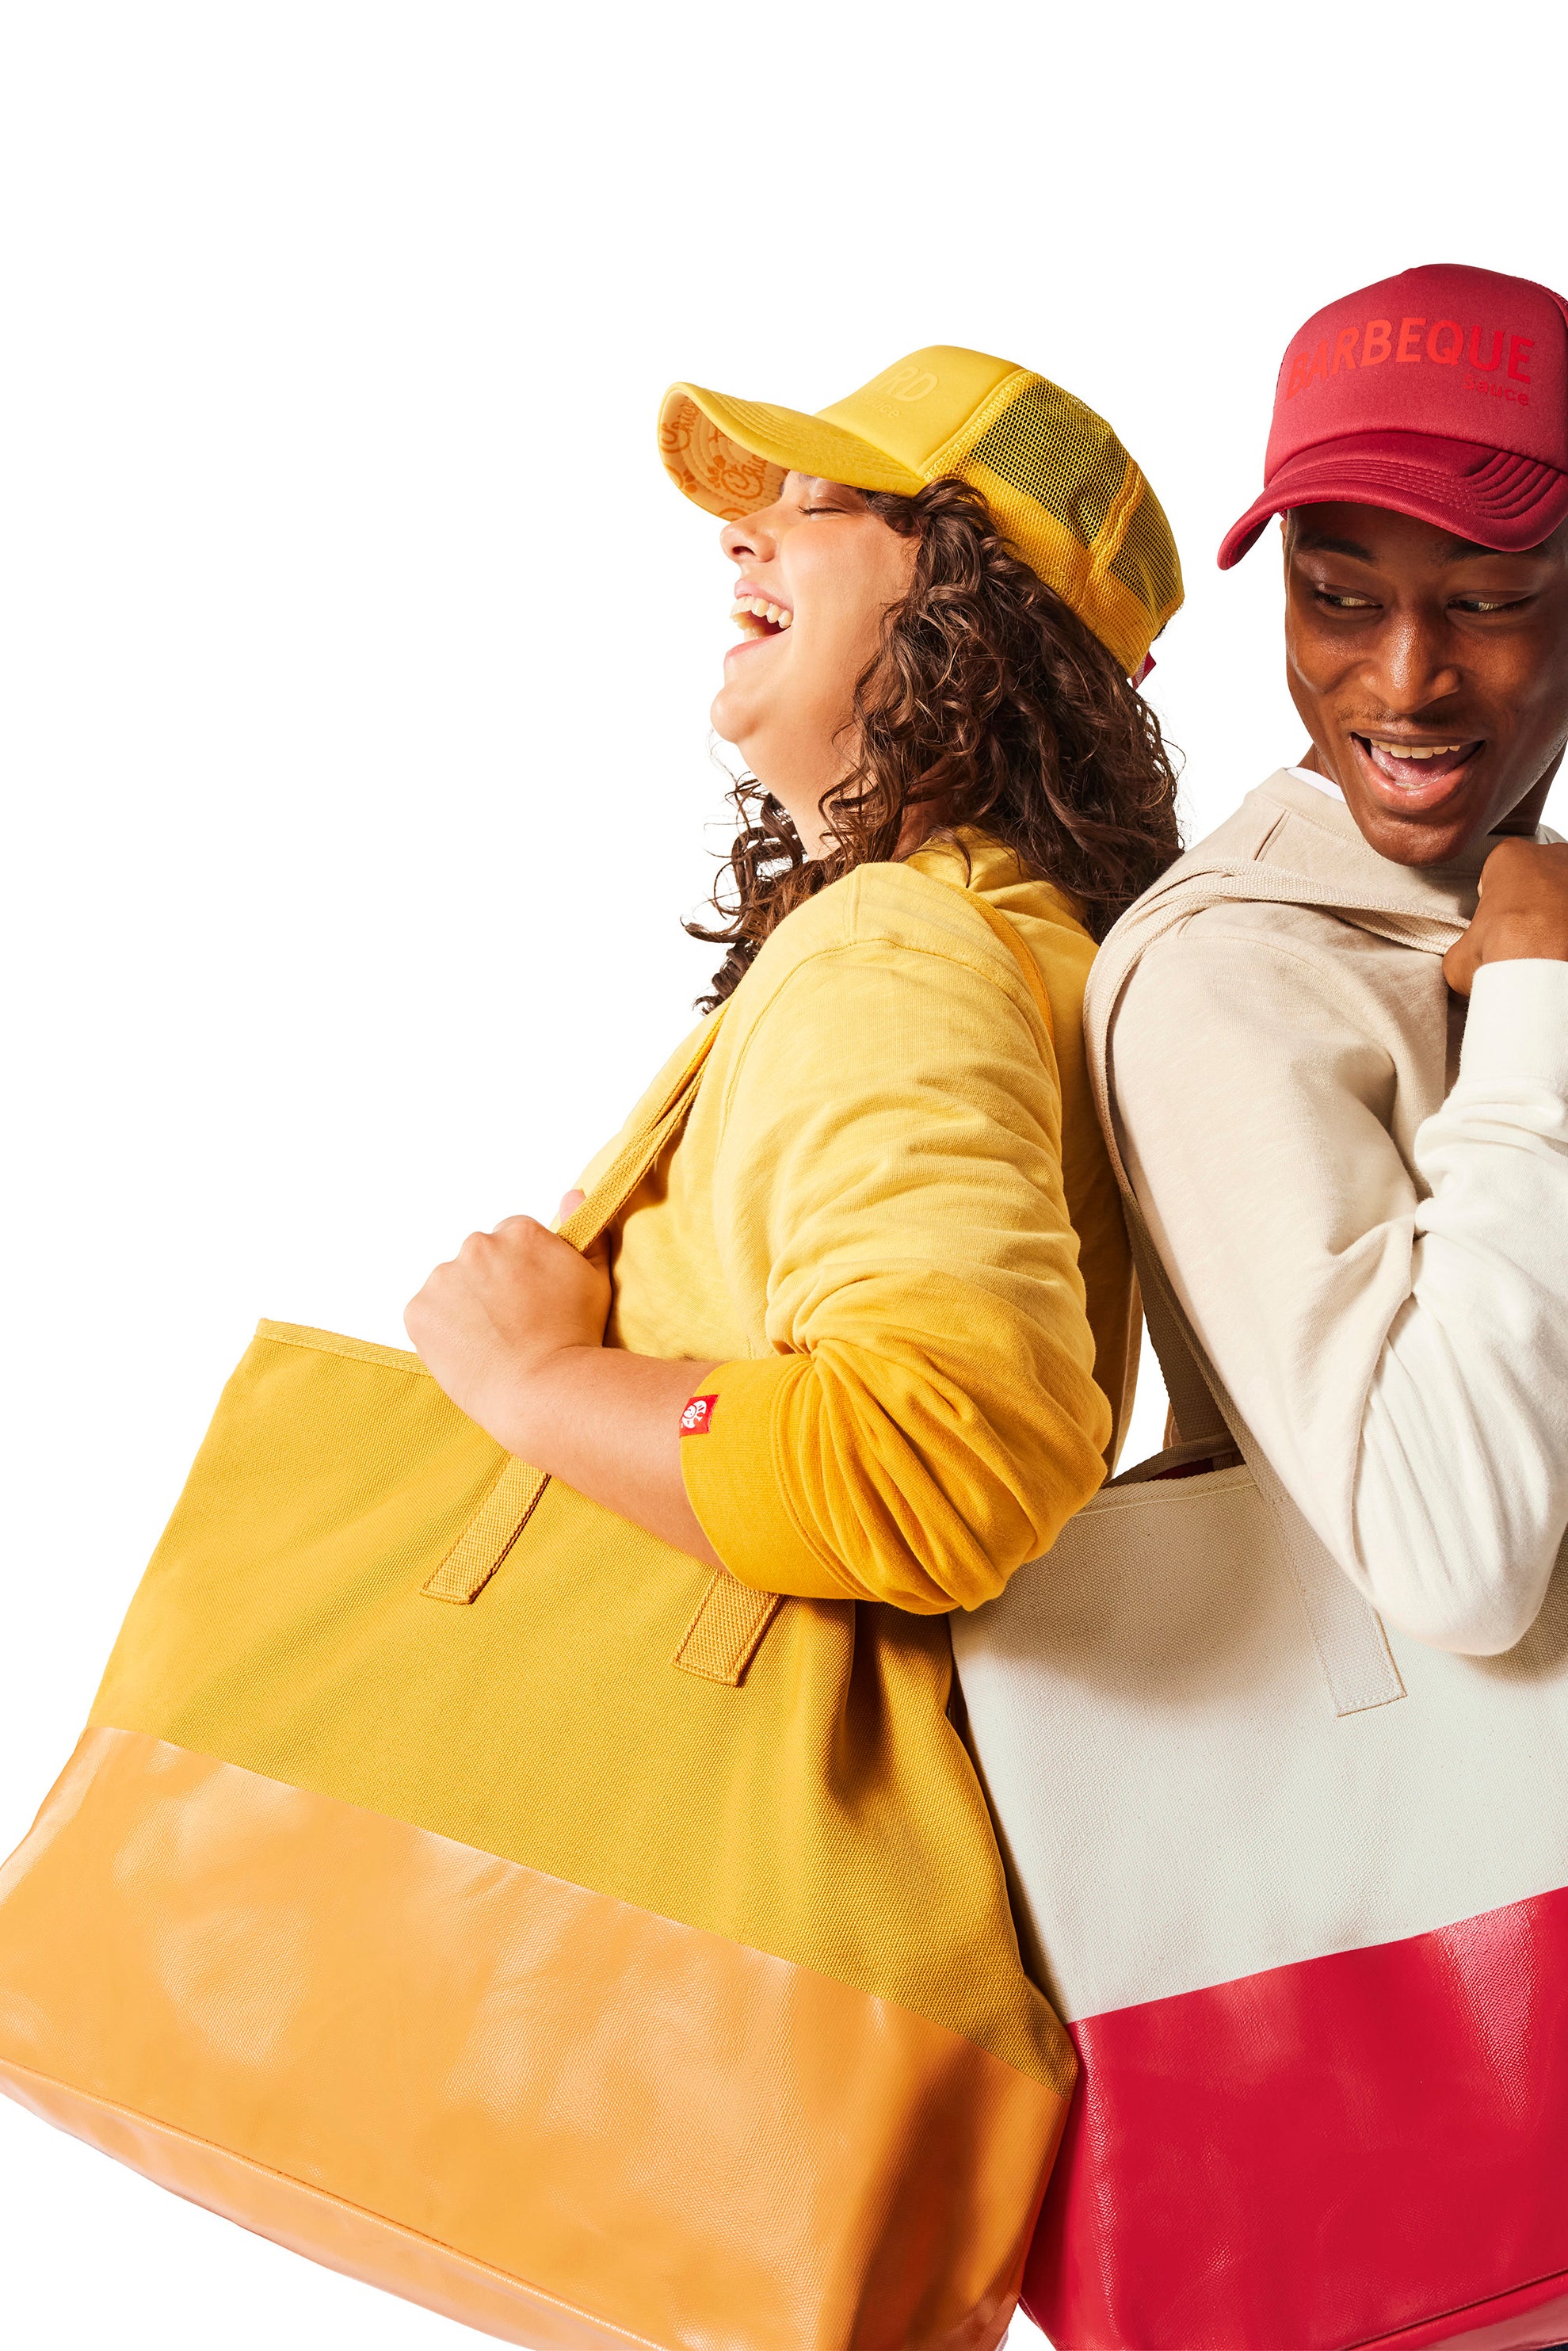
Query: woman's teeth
x=758 y=618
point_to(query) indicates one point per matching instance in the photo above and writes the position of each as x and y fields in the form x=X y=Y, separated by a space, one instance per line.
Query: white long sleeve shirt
x=1362 y=1197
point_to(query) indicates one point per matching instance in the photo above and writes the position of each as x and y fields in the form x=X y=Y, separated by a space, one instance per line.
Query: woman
x=698 y=2012
x=864 y=1331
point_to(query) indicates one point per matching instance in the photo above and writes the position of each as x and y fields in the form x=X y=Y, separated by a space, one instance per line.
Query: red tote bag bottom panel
x=1367 y=2148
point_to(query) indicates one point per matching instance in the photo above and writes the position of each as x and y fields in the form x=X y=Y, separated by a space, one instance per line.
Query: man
x=1360 y=1193
x=1349 y=1148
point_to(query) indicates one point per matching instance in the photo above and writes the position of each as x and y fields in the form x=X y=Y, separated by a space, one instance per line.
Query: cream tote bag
x=1297 y=1885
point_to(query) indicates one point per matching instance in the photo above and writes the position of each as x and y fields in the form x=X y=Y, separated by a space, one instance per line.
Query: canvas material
x=1178 y=1626
x=1286 y=1172
x=1295 y=1882
x=1180 y=1800
x=284 y=1625
x=383 y=1687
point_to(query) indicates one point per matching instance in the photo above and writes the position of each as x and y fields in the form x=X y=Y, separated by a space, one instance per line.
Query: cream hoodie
x=1362 y=1198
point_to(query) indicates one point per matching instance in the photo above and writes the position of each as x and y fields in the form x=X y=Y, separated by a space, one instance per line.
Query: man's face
x=1432 y=674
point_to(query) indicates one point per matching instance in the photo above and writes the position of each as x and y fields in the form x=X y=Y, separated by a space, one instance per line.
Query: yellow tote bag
x=467 y=1889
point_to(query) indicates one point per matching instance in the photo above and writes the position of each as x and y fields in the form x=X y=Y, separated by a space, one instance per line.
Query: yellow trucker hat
x=1066 y=495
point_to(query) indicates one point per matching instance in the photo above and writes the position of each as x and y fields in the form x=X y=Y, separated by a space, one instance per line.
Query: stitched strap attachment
x=512 y=1501
x=726 y=1632
x=489 y=1533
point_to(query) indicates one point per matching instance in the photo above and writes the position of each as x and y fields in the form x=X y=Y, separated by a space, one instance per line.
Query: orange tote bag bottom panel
x=318 y=2225
x=559 y=2119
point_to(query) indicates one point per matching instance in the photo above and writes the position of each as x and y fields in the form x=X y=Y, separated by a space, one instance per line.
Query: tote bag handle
x=1352 y=1648
x=512 y=1501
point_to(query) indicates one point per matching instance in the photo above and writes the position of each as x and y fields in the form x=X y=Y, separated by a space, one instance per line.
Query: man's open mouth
x=1414 y=766
x=757 y=618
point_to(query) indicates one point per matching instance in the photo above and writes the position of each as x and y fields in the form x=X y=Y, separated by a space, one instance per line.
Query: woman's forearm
x=608 y=1423
x=513 y=1330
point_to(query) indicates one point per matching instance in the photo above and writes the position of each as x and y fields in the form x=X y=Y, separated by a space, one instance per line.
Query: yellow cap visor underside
x=730 y=457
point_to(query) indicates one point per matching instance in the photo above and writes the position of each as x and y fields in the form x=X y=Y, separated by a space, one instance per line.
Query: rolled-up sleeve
x=920 y=1416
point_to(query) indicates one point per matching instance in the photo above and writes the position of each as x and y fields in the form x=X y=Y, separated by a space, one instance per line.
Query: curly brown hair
x=989 y=698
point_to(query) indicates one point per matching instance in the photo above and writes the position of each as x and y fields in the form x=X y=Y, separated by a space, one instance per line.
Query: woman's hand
x=495 y=1323
x=513 y=1329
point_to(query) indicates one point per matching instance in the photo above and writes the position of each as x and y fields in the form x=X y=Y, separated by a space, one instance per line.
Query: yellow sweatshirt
x=885 y=1214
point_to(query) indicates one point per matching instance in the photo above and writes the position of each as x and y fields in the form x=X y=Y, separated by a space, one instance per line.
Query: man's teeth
x=757 y=608
x=1412 y=751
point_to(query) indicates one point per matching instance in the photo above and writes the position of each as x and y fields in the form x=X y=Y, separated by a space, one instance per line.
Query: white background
x=357 y=652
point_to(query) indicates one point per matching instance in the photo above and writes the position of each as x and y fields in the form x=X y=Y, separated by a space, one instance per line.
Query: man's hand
x=1523 y=911
x=505 y=1310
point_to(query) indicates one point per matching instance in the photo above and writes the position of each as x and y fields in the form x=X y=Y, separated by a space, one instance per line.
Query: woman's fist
x=1523 y=911
x=488 y=1322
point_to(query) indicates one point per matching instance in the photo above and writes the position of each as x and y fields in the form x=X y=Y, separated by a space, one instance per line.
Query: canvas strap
x=1008 y=932
x=1347 y=1632
x=731 y=1619
x=516 y=1494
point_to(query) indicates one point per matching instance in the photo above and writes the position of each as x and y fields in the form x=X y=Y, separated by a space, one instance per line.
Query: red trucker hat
x=1442 y=393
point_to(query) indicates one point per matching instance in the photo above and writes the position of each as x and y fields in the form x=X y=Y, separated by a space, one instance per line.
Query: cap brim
x=730 y=457
x=1493 y=496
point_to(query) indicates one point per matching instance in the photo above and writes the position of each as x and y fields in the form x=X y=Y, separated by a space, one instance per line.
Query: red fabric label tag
x=697 y=1417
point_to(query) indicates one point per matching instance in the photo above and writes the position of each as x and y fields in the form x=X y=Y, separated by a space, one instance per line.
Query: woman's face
x=816 y=574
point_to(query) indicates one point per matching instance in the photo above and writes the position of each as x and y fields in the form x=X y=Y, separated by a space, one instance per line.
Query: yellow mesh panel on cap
x=1147 y=563
x=1048 y=546
x=1119 y=619
x=1058 y=453
x=1058 y=478
x=1059 y=556
x=1065 y=494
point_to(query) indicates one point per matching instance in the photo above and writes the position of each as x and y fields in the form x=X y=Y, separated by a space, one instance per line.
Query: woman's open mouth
x=757 y=620
x=1414 y=775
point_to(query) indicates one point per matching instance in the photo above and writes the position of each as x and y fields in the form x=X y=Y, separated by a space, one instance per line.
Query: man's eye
x=1490 y=603
x=1341 y=603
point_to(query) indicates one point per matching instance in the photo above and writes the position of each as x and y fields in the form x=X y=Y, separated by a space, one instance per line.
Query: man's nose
x=1416 y=662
